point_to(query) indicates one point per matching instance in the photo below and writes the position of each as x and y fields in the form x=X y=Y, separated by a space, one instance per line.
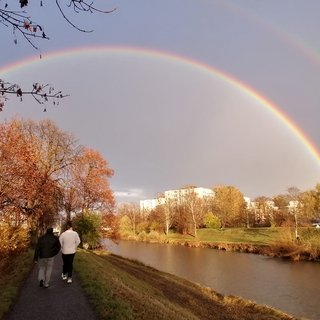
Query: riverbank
x=274 y=242
x=120 y=288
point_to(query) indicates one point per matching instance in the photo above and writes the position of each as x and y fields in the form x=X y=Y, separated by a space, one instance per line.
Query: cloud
x=129 y=195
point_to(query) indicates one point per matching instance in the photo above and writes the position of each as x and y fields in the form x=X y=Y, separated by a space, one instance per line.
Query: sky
x=178 y=92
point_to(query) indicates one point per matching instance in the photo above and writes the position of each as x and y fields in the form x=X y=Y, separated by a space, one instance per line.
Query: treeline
x=46 y=178
x=45 y=172
x=227 y=208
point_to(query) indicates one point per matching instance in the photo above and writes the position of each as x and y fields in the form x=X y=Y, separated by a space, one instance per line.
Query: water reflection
x=291 y=287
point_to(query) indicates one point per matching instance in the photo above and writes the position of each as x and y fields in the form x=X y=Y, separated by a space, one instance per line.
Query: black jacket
x=48 y=246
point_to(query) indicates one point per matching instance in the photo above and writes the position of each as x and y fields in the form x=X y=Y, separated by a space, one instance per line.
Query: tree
x=89 y=186
x=33 y=156
x=125 y=226
x=17 y=173
x=264 y=208
x=194 y=207
x=88 y=226
x=23 y=25
x=156 y=219
x=110 y=226
x=168 y=213
x=311 y=203
x=228 y=205
x=281 y=215
x=43 y=171
x=181 y=219
x=295 y=206
x=55 y=151
x=132 y=212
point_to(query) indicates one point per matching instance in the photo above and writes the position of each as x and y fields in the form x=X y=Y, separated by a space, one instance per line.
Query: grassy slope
x=258 y=236
x=124 y=289
x=12 y=278
x=278 y=242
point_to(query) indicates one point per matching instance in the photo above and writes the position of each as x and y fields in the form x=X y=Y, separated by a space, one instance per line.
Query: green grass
x=119 y=289
x=12 y=278
x=276 y=242
x=255 y=236
x=258 y=236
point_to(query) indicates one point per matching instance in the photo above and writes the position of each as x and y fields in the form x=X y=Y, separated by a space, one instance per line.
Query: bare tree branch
x=65 y=17
x=80 y=6
x=22 y=24
x=41 y=93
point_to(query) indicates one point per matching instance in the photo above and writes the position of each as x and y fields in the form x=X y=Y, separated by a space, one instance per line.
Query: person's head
x=50 y=230
x=69 y=225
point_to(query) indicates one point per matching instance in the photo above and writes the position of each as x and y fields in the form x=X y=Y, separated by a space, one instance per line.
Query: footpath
x=58 y=302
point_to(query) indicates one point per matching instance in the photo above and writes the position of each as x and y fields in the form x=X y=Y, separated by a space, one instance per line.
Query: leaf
x=19 y=92
x=23 y=3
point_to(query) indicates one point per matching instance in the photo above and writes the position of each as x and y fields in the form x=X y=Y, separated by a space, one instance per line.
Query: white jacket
x=69 y=241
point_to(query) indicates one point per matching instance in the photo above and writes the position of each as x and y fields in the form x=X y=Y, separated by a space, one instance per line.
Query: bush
x=13 y=239
x=142 y=236
x=88 y=226
x=155 y=236
x=125 y=227
x=212 y=221
x=142 y=226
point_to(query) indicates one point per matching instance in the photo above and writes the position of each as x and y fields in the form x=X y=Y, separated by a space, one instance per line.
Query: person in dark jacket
x=47 y=248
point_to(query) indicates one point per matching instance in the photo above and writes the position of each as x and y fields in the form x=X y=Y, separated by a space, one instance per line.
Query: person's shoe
x=41 y=283
x=69 y=280
x=64 y=277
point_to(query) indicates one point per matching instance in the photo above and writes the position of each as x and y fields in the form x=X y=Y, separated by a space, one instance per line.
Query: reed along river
x=293 y=287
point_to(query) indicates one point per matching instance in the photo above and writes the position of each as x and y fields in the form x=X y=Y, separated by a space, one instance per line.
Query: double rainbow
x=200 y=66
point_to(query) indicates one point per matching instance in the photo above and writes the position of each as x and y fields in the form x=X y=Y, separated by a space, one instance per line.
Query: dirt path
x=58 y=302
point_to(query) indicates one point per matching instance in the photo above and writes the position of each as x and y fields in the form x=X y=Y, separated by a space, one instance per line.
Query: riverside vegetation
x=275 y=241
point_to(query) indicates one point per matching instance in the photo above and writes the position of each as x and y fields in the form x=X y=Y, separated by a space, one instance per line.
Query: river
x=293 y=287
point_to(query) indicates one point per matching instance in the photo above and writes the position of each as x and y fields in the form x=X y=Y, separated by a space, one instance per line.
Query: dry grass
x=124 y=289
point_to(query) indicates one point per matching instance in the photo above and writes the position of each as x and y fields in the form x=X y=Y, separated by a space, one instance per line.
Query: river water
x=293 y=287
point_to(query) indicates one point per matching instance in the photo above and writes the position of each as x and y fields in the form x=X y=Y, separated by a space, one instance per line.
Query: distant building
x=294 y=205
x=262 y=210
x=177 y=195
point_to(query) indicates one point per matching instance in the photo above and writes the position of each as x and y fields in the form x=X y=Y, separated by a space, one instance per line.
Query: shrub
x=142 y=236
x=212 y=221
x=13 y=239
x=142 y=226
x=154 y=235
x=88 y=226
x=125 y=227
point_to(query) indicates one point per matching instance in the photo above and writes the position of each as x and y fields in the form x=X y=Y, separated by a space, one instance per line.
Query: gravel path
x=58 y=302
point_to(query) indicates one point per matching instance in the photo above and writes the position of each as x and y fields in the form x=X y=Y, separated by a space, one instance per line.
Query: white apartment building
x=294 y=205
x=178 y=195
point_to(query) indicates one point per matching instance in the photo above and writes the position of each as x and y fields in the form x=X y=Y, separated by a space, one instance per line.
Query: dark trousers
x=67 y=264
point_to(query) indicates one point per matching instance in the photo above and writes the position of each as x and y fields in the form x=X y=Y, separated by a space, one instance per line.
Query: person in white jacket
x=69 y=242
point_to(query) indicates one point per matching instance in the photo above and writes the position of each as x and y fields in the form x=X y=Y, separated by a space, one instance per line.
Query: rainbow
x=236 y=83
x=291 y=40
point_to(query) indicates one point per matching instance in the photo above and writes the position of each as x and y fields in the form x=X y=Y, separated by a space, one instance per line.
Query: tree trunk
x=296 y=225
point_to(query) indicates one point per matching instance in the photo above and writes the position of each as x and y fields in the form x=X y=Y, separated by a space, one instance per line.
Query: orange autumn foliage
x=44 y=172
x=90 y=176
